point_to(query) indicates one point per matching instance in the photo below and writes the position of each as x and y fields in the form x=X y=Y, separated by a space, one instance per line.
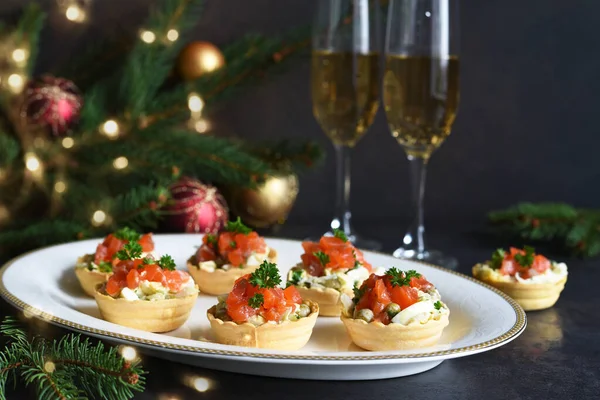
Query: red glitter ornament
x=52 y=102
x=195 y=207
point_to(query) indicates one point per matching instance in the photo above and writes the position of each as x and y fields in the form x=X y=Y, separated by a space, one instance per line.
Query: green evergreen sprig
x=70 y=368
x=129 y=81
x=577 y=230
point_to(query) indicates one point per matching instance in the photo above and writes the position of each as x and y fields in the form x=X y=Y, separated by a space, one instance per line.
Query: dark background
x=525 y=132
x=526 y=129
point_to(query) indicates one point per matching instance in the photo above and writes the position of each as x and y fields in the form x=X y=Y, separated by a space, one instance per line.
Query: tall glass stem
x=342 y=214
x=414 y=241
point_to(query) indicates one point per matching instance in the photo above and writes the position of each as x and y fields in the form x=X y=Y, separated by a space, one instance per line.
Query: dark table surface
x=557 y=357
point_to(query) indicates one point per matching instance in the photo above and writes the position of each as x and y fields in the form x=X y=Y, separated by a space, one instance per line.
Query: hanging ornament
x=199 y=58
x=195 y=207
x=268 y=204
x=52 y=102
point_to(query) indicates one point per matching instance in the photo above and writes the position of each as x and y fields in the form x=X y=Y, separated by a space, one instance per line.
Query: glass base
x=429 y=256
x=357 y=240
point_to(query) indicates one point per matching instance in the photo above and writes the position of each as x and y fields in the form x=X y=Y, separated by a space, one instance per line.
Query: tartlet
x=530 y=279
x=258 y=313
x=94 y=269
x=227 y=256
x=329 y=268
x=396 y=311
x=147 y=294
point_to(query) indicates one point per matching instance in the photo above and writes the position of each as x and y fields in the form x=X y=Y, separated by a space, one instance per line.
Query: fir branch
x=149 y=64
x=9 y=149
x=70 y=368
x=28 y=32
x=288 y=156
x=33 y=234
x=577 y=230
x=260 y=56
x=137 y=208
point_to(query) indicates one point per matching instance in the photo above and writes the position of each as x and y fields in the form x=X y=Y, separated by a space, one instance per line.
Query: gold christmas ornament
x=266 y=205
x=198 y=58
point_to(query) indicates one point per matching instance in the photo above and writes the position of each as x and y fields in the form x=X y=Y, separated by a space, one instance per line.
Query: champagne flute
x=345 y=88
x=421 y=96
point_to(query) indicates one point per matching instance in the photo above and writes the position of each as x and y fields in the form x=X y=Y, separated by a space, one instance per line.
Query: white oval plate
x=42 y=283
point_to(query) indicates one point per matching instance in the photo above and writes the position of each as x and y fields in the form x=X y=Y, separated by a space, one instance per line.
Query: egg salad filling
x=340 y=280
x=253 y=260
x=87 y=262
x=428 y=307
x=153 y=291
x=556 y=273
x=520 y=266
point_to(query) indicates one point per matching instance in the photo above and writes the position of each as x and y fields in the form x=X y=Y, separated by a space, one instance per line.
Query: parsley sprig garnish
x=356 y=262
x=105 y=266
x=167 y=262
x=358 y=292
x=437 y=305
x=256 y=301
x=526 y=260
x=130 y=251
x=296 y=276
x=127 y=234
x=238 y=227
x=148 y=260
x=266 y=276
x=497 y=258
x=401 y=278
x=211 y=239
x=323 y=257
x=338 y=233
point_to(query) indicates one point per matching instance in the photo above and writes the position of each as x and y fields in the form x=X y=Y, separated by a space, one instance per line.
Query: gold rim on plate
x=518 y=326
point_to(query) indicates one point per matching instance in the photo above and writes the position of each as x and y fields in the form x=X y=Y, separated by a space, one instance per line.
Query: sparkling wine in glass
x=345 y=85
x=421 y=96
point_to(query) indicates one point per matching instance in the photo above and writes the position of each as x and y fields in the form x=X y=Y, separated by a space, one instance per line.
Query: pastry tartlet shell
x=151 y=316
x=221 y=281
x=376 y=336
x=530 y=296
x=328 y=299
x=90 y=279
x=288 y=335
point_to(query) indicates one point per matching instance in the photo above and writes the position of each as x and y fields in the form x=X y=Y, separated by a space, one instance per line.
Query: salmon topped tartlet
x=330 y=267
x=259 y=313
x=145 y=293
x=531 y=279
x=223 y=258
x=92 y=269
x=397 y=311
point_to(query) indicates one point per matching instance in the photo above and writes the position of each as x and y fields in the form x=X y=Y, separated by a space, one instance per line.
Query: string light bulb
x=32 y=163
x=60 y=187
x=49 y=367
x=195 y=103
x=172 y=35
x=201 y=126
x=110 y=128
x=19 y=55
x=98 y=217
x=68 y=142
x=199 y=383
x=148 y=36
x=120 y=162
x=128 y=353
x=16 y=82
x=75 y=13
